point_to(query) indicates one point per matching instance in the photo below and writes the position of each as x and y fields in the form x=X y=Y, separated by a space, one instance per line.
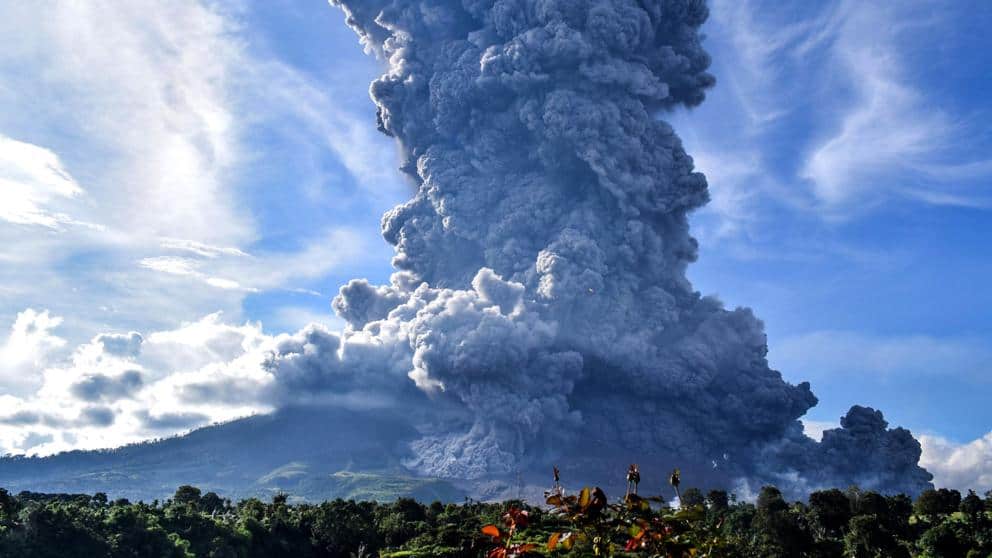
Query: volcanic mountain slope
x=308 y=453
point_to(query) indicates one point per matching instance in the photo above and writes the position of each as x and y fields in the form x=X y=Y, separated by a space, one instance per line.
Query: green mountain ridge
x=309 y=454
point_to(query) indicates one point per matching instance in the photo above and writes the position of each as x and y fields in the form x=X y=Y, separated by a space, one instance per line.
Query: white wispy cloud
x=156 y=110
x=760 y=45
x=315 y=109
x=735 y=184
x=821 y=110
x=171 y=265
x=189 y=268
x=200 y=248
x=148 y=87
x=890 y=139
x=139 y=101
x=33 y=182
x=236 y=270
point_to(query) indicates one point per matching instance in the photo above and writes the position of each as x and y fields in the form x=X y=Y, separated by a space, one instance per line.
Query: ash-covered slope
x=310 y=453
x=315 y=454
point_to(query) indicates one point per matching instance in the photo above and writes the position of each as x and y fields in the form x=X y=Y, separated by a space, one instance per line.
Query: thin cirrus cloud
x=826 y=110
x=140 y=138
x=217 y=267
x=34 y=184
x=134 y=113
x=189 y=268
x=159 y=132
x=892 y=139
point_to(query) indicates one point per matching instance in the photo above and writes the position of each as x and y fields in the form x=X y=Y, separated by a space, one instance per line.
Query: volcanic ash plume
x=540 y=303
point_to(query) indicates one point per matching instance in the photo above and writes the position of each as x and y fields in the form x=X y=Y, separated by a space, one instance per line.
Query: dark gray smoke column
x=541 y=299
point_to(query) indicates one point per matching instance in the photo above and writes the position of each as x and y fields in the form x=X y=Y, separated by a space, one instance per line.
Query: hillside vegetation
x=939 y=523
x=312 y=453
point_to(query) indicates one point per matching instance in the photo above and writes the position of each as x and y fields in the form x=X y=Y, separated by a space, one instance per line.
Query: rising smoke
x=540 y=304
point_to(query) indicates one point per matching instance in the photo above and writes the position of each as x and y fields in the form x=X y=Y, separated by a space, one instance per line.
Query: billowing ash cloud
x=540 y=304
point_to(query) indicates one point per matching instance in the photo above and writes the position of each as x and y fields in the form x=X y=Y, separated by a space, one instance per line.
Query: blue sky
x=163 y=163
x=847 y=148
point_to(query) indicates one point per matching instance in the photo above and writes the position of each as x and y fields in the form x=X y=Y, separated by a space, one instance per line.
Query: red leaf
x=492 y=531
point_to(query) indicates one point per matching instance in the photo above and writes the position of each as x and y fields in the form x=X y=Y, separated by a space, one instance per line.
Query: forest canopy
x=832 y=522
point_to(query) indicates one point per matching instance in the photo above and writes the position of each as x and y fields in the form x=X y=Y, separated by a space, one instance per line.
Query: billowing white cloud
x=121 y=388
x=27 y=349
x=962 y=466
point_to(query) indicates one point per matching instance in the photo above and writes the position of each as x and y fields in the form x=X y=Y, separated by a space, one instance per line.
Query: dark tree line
x=940 y=523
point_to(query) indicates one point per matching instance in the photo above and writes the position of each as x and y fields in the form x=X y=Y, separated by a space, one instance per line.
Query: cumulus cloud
x=121 y=388
x=965 y=466
x=27 y=348
x=121 y=344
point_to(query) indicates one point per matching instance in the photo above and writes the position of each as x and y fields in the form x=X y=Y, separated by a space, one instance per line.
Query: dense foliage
x=831 y=523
